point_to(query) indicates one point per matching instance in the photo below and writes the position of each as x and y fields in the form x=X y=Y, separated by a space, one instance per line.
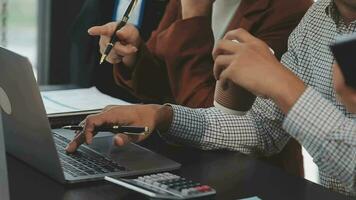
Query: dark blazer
x=85 y=70
x=176 y=65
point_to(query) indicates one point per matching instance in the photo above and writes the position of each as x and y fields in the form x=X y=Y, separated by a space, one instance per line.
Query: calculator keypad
x=169 y=183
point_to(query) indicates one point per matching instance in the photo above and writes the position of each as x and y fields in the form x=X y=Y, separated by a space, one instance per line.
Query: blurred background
x=21 y=32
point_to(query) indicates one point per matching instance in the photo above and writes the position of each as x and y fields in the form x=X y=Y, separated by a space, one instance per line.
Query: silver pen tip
x=102 y=59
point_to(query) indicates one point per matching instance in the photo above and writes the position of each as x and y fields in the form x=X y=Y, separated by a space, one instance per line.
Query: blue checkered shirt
x=318 y=121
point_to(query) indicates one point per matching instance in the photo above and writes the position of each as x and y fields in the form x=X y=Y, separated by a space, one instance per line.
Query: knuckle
x=218 y=61
x=234 y=33
x=231 y=33
x=240 y=30
x=90 y=119
x=107 y=108
x=112 y=26
x=220 y=44
x=252 y=46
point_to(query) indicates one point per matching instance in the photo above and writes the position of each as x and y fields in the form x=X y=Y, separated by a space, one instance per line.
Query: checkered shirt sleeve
x=211 y=129
x=328 y=136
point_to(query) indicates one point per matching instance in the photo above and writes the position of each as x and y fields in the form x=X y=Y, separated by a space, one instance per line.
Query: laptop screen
x=4 y=185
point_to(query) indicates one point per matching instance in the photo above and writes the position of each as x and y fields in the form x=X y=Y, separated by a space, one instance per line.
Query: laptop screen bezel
x=4 y=181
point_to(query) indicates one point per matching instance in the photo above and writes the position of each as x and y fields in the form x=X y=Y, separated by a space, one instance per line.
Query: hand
x=251 y=64
x=151 y=116
x=126 y=49
x=195 y=8
x=345 y=94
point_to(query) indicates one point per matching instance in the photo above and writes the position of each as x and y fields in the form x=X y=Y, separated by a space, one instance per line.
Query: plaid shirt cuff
x=187 y=126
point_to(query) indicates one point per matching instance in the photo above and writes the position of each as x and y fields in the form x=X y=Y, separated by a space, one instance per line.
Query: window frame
x=44 y=37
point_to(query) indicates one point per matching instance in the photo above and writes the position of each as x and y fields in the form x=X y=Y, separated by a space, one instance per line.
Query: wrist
x=164 y=118
x=288 y=93
x=190 y=10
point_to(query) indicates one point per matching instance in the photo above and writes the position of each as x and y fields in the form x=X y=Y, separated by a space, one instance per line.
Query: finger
x=91 y=123
x=225 y=79
x=103 y=43
x=221 y=63
x=78 y=140
x=240 y=35
x=109 y=107
x=127 y=33
x=123 y=139
x=114 y=58
x=226 y=47
x=107 y=29
x=124 y=50
x=81 y=124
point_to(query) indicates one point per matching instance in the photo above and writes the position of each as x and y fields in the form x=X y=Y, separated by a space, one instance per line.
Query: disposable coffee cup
x=233 y=100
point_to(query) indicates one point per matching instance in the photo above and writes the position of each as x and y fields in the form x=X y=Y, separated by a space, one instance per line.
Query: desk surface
x=233 y=175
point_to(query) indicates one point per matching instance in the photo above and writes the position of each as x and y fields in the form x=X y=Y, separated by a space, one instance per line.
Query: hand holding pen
x=86 y=131
x=124 y=51
x=128 y=130
x=118 y=40
x=137 y=117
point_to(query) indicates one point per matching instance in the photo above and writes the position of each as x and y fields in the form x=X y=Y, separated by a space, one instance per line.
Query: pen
x=128 y=130
x=121 y=24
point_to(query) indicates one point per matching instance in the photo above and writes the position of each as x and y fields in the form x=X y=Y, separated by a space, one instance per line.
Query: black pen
x=119 y=26
x=128 y=130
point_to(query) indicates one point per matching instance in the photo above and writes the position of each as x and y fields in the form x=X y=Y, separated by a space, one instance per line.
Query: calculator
x=166 y=186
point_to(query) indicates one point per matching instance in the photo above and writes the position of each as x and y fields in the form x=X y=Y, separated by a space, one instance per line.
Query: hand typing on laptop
x=154 y=117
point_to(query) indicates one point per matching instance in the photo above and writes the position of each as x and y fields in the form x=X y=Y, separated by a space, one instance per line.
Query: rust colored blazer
x=176 y=65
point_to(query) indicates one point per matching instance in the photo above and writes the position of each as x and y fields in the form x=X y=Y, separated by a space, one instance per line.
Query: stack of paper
x=77 y=102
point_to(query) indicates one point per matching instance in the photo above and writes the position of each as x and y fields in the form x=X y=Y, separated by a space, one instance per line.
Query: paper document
x=251 y=198
x=77 y=100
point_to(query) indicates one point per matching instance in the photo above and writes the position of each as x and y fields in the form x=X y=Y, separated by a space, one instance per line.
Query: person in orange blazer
x=176 y=65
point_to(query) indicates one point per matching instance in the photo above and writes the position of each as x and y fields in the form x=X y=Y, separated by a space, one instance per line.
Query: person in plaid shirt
x=296 y=99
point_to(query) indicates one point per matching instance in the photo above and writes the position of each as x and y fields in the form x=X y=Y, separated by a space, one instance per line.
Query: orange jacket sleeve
x=176 y=65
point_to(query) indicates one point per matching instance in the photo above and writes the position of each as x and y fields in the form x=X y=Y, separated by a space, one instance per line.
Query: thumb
x=123 y=139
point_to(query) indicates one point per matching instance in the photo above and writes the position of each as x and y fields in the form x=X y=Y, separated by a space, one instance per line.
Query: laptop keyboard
x=84 y=161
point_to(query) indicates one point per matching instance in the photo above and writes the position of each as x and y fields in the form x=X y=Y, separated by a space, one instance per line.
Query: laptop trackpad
x=132 y=156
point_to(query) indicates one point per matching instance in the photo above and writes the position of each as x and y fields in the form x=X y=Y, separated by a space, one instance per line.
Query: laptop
x=29 y=137
x=4 y=184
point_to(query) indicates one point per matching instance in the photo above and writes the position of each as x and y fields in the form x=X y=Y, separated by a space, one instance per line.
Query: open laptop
x=4 y=184
x=29 y=138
